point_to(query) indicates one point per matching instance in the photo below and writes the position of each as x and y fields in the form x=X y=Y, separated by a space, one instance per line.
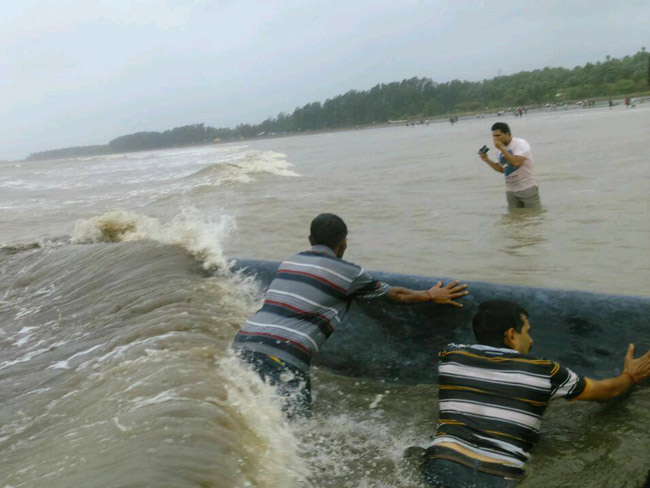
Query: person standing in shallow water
x=493 y=395
x=515 y=161
x=307 y=299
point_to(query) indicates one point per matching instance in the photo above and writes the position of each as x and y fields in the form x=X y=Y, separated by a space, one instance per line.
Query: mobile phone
x=484 y=150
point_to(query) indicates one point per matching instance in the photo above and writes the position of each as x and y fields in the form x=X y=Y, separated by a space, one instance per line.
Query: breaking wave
x=243 y=169
x=201 y=237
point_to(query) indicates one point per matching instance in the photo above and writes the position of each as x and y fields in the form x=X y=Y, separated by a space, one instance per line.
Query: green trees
x=178 y=136
x=70 y=152
x=414 y=98
x=422 y=97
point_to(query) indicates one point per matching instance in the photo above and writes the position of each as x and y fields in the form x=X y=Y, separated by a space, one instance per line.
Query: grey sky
x=79 y=72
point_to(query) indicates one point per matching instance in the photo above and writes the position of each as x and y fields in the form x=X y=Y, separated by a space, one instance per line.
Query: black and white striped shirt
x=492 y=400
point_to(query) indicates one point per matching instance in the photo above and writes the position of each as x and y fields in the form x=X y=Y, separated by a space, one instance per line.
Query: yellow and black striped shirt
x=492 y=400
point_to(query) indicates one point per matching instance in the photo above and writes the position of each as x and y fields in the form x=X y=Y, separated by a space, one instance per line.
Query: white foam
x=27 y=311
x=356 y=449
x=60 y=365
x=83 y=353
x=65 y=364
x=25 y=358
x=375 y=402
x=120 y=426
x=201 y=237
x=120 y=351
x=276 y=453
x=23 y=340
x=266 y=162
x=244 y=167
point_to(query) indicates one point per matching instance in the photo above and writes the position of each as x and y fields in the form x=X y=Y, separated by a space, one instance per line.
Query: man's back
x=306 y=301
x=492 y=396
x=492 y=401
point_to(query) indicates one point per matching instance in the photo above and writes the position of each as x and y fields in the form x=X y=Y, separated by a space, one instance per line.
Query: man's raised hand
x=639 y=368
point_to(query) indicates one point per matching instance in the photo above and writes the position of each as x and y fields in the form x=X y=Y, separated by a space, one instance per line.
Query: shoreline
x=600 y=102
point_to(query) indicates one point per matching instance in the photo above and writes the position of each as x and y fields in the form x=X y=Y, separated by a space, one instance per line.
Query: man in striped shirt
x=307 y=299
x=492 y=396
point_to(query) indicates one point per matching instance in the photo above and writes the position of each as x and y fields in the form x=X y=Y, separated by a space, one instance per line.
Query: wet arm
x=607 y=389
x=634 y=371
x=437 y=294
x=406 y=295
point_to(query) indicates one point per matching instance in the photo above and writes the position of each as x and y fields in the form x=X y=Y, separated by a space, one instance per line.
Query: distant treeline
x=70 y=152
x=407 y=99
x=178 y=136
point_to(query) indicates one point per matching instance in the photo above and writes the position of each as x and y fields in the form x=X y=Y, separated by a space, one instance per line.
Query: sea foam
x=201 y=237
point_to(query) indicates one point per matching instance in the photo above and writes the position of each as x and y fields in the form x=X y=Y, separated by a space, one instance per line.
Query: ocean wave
x=202 y=238
x=46 y=243
x=243 y=168
x=118 y=355
x=16 y=248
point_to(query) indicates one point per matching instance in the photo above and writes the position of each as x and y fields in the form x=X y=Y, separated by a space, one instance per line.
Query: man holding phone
x=515 y=161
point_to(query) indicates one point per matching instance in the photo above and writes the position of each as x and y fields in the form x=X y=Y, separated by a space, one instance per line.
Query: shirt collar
x=483 y=347
x=320 y=249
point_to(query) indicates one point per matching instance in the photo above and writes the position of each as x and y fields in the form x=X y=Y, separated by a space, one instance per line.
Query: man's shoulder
x=324 y=260
x=478 y=348
x=520 y=142
x=493 y=352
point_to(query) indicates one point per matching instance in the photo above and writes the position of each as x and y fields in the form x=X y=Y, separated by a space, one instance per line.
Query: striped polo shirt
x=307 y=299
x=492 y=400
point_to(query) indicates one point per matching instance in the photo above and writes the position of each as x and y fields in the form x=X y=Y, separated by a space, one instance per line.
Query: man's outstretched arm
x=437 y=294
x=634 y=371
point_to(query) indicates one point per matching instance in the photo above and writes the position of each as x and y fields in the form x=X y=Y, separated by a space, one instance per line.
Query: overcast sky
x=80 y=72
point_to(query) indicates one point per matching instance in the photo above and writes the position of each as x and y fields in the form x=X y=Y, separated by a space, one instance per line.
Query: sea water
x=117 y=302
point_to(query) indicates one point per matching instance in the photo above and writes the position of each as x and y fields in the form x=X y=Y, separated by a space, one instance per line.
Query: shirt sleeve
x=364 y=287
x=565 y=383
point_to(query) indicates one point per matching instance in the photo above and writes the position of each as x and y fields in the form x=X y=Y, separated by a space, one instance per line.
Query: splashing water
x=200 y=237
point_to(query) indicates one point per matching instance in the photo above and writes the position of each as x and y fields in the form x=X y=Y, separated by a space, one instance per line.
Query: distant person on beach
x=515 y=161
x=493 y=394
x=305 y=303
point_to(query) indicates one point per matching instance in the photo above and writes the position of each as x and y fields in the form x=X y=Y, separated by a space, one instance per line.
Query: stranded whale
x=587 y=332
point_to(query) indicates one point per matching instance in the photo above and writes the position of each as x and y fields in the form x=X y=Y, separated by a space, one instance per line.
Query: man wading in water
x=492 y=396
x=515 y=161
x=307 y=299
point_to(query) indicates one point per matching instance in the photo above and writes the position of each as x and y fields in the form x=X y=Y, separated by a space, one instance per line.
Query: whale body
x=585 y=331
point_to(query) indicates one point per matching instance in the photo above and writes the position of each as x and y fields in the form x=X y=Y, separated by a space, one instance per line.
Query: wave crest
x=201 y=237
x=242 y=170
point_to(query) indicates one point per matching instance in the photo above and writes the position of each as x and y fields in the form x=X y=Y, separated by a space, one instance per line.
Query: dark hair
x=502 y=126
x=493 y=318
x=328 y=230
